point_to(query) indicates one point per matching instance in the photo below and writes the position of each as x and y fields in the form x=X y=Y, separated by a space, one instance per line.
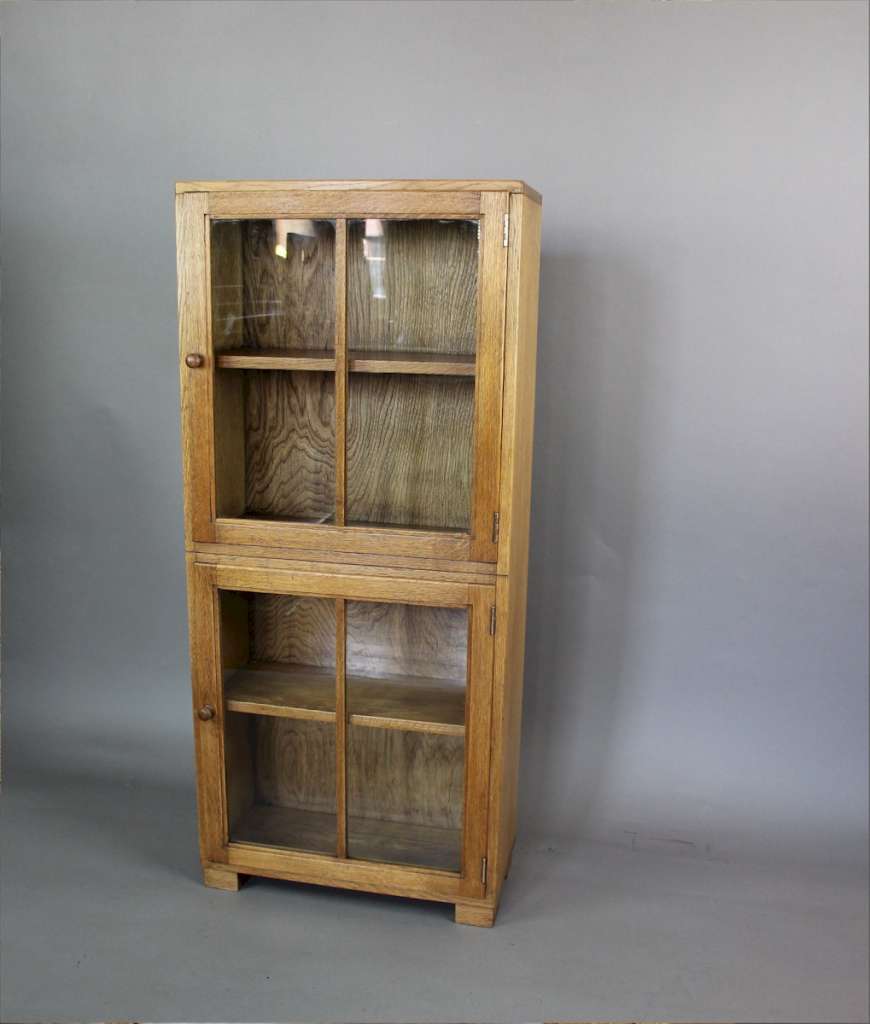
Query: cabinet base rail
x=480 y=913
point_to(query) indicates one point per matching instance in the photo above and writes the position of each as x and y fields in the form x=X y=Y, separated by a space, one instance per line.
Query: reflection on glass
x=412 y=285
x=273 y=284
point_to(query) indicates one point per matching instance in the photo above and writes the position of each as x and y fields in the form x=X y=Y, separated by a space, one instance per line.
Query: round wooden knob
x=206 y=712
x=194 y=360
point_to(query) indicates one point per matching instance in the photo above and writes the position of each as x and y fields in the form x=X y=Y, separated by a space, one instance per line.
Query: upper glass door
x=356 y=376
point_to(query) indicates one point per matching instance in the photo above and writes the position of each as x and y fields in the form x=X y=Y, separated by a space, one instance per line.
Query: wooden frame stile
x=242 y=565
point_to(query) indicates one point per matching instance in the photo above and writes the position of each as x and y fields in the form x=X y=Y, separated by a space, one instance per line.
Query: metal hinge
x=492 y=620
x=505 y=238
x=496 y=523
x=483 y=871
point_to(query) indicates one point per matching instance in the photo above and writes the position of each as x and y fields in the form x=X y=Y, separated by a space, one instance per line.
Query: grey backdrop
x=697 y=647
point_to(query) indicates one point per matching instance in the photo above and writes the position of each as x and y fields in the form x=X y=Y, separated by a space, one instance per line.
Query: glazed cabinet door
x=344 y=717
x=342 y=369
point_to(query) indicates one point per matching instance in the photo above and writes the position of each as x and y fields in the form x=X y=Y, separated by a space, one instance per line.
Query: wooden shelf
x=430 y=363
x=427 y=363
x=266 y=825
x=409 y=703
x=391 y=842
x=283 y=691
x=275 y=359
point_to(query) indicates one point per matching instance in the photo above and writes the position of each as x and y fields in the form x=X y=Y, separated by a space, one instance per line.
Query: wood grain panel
x=288 y=303
x=292 y=630
x=410 y=777
x=290 y=444
x=412 y=286
x=409 y=443
x=294 y=763
x=407 y=639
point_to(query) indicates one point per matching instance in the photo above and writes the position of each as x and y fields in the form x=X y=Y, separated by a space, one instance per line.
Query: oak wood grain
x=405 y=776
x=407 y=639
x=288 y=302
x=409 y=441
x=293 y=630
x=290 y=444
x=412 y=286
x=294 y=763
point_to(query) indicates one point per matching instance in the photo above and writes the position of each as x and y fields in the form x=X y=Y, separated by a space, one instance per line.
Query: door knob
x=206 y=712
x=194 y=360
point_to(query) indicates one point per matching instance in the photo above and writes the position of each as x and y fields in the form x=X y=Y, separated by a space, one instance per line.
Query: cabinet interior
x=400 y=673
x=345 y=365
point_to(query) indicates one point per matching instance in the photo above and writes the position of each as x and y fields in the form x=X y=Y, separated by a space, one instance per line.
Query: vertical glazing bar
x=340 y=370
x=341 y=727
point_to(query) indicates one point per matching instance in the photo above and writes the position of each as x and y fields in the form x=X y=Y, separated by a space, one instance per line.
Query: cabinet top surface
x=382 y=185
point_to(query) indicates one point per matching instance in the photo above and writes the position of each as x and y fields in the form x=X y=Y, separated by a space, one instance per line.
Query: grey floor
x=104 y=917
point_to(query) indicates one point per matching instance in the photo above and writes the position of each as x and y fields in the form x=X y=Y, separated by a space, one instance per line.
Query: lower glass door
x=278 y=662
x=406 y=682
x=345 y=725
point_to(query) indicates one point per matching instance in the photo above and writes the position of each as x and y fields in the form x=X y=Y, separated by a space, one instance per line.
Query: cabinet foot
x=476 y=914
x=221 y=878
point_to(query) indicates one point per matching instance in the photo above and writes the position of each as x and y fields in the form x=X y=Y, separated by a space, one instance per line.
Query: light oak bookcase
x=357 y=391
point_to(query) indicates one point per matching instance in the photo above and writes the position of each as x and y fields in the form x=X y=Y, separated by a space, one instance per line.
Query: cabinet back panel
x=407 y=639
x=409 y=450
x=411 y=777
x=273 y=284
x=289 y=444
x=412 y=285
x=294 y=763
x=293 y=630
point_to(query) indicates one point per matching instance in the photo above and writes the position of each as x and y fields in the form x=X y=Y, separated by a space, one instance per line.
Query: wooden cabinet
x=357 y=381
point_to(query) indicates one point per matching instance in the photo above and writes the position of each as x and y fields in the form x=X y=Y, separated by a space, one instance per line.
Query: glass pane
x=278 y=662
x=406 y=687
x=273 y=284
x=275 y=444
x=409 y=450
x=412 y=285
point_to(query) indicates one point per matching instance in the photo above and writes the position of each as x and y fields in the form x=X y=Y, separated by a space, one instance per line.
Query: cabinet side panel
x=517 y=439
